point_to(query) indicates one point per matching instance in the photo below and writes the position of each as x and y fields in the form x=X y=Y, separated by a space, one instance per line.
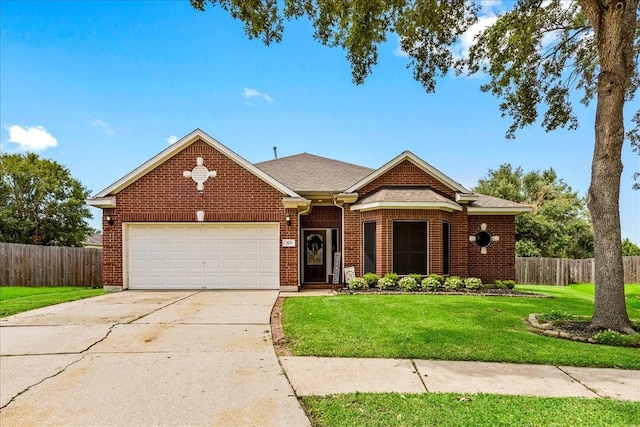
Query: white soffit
x=178 y=146
x=498 y=210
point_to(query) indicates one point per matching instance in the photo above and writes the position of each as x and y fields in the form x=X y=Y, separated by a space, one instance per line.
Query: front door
x=314 y=256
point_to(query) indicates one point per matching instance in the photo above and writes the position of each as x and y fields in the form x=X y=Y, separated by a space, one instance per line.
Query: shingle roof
x=485 y=201
x=307 y=172
x=404 y=195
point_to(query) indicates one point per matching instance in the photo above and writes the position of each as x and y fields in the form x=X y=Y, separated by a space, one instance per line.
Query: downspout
x=300 y=245
x=333 y=197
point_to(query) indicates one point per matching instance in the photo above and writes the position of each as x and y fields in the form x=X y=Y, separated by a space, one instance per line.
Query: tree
x=559 y=225
x=535 y=55
x=41 y=203
x=629 y=248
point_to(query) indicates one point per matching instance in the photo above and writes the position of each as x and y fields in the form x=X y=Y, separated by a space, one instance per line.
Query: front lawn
x=447 y=409
x=477 y=328
x=14 y=299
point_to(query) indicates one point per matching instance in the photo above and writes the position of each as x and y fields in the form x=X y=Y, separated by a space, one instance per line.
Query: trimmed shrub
x=430 y=283
x=610 y=337
x=472 y=283
x=358 y=284
x=408 y=284
x=416 y=277
x=371 y=279
x=439 y=278
x=504 y=284
x=453 y=282
x=386 y=284
x=392 y=276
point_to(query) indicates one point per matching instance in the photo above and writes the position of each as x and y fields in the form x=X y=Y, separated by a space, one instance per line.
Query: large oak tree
x=41 y=203
x=535 y=55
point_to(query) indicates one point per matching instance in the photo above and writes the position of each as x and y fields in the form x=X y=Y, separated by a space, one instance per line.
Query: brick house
x=199 y=216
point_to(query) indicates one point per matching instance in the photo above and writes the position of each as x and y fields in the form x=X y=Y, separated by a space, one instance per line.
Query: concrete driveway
x=146 y=358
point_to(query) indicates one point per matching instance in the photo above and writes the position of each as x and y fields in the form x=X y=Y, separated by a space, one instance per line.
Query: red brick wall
x=165 y=195
x=499 y=262
x=406 y=173
x=322 y=217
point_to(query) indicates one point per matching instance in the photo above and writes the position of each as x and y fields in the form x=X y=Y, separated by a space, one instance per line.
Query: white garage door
x=203 y=256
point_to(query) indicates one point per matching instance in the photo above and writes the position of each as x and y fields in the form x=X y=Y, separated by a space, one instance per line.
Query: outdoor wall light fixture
x=109 y=220
x=288 y=219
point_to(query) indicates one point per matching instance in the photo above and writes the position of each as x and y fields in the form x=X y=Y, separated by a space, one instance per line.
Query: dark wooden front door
x=315 y=264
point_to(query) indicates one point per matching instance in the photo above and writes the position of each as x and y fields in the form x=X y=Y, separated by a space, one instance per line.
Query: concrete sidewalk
x=330 y=375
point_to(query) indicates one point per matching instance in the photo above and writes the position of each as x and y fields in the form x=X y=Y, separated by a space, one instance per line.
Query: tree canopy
x=41 y=203
x=629 y=248
x=535 y=55
x=559 y=225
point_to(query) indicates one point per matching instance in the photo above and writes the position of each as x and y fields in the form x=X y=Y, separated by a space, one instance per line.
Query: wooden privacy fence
x=562 y=271
x=30 y=265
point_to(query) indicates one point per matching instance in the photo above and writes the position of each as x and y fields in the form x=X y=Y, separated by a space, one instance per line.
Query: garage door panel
x=203 y=256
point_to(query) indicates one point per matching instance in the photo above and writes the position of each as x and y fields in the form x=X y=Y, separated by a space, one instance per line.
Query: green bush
x=472 y=283
x=504 y=284
x=453 y=282
x=371 y=279
x=358 y=284
x=416 y=277
x=386 y=284
x=610 y=337
x=392 y=276
x=408 y=284
x=431 y=283
x=439 y=278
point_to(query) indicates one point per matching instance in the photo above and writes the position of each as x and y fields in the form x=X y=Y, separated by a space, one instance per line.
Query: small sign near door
x=336 y=268
x=288 y=243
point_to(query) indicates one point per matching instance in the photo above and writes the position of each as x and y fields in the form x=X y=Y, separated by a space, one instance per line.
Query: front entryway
x=315 y=258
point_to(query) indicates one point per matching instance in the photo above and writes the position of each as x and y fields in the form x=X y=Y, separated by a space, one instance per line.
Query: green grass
x=449 y=328
x=15 y=299
x=446 y=409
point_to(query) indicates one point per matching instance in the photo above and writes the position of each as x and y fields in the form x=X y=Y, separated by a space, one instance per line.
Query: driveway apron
x=146 y=359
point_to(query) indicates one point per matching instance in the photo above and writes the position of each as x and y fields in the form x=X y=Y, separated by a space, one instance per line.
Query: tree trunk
x=614 y=27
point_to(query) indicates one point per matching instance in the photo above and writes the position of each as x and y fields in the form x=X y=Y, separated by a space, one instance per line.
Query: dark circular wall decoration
x=483 y=238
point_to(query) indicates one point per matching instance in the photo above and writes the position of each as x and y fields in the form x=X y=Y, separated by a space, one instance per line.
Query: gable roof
x=103 y=197
x=309 y=173
x=408 y=155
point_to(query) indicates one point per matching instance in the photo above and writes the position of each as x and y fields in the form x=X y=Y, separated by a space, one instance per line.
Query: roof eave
x=448 y=207
x=498 y=210
x=102 y=202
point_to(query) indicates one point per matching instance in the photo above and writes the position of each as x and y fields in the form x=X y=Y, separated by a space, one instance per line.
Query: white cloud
x=172 y=139
x=103 y=125
x=487 y=16
x=31 y=138
x=249 y=93
x=461 y=49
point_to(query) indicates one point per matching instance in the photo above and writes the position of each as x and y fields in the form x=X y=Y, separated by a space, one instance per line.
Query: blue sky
x=103 y=86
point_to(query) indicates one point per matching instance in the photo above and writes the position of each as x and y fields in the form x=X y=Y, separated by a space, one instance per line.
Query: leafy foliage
x=629 y=248
x=371 y=279
x=386 y=284
x=408 y=284
x=453 y=282
x=358 y=284
x=431 y=283
x=559 y=225
x=472 y=283
x=41 y=203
